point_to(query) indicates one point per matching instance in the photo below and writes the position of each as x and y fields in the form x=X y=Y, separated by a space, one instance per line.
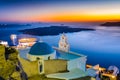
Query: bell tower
x=63 y=43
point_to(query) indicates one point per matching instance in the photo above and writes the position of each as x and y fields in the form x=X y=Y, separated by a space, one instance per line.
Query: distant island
x=52 y=30
x=111 y=24
x=13 y=25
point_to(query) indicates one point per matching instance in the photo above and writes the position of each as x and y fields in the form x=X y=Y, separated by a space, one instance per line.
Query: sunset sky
x=59 y=10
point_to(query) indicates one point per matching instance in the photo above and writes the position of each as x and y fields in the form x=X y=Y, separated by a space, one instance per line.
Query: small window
x=41 y=68
x=65 y=46
x=62 y=37
x=37 y=58
x=49 y=58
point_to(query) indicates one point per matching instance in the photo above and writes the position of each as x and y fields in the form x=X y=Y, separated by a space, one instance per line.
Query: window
x=37 y=58
x=41 y=68
x=49 y=58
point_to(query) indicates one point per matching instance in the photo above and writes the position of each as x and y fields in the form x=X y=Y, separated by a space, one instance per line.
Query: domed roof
x=41 y=48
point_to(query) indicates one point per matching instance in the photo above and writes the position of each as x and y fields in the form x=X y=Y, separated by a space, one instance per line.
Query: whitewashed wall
x=77 y=63
x=44 y=57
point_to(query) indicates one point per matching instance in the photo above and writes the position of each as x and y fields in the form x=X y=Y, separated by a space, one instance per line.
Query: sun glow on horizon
x=77 y=12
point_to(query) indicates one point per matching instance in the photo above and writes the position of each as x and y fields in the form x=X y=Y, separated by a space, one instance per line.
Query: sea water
x=101 y=46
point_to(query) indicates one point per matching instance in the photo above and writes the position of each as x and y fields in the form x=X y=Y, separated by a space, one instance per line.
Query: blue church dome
x=41 y=48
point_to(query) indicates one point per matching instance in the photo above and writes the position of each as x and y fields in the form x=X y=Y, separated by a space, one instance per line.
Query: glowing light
x=13 y=38
x=113 y=76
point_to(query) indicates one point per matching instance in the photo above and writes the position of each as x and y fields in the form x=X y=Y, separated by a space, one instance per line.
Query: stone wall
x=55 y=66
x=2 y=54
x=31 y=68
x=50 y=66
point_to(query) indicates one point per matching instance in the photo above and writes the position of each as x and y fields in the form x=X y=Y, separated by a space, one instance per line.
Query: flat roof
x=59 y=54
x=23 y=52
x=67 y=55
x=73 y=74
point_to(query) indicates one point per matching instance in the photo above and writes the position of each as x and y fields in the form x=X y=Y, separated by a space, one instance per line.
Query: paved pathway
x=73 y=74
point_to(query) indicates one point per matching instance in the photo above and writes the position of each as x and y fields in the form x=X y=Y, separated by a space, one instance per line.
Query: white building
x=41 y=51
x=26 y=42
x=5 y=43
x=75 y=60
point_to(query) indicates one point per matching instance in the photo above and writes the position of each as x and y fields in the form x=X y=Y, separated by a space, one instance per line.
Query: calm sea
x=101 y=46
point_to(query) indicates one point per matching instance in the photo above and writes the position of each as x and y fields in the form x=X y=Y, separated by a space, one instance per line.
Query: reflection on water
x=101 y=46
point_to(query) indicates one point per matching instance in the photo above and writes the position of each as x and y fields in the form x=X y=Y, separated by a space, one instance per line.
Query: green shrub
x=8 y=61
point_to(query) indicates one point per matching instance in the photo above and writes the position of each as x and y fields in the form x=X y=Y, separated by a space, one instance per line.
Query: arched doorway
x=41 y=68
x=49 y=58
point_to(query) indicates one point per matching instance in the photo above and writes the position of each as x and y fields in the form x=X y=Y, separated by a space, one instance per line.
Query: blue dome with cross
x=41 y=48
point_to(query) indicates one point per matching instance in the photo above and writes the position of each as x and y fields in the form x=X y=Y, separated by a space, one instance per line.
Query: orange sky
x=77 y=12
x=75 y=18
x=81 y=18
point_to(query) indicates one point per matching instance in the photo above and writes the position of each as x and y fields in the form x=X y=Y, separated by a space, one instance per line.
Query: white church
x=75 y=60
x=76 y=63
x=63 y=43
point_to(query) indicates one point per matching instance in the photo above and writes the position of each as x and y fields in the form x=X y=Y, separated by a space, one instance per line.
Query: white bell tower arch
x=63 y=43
